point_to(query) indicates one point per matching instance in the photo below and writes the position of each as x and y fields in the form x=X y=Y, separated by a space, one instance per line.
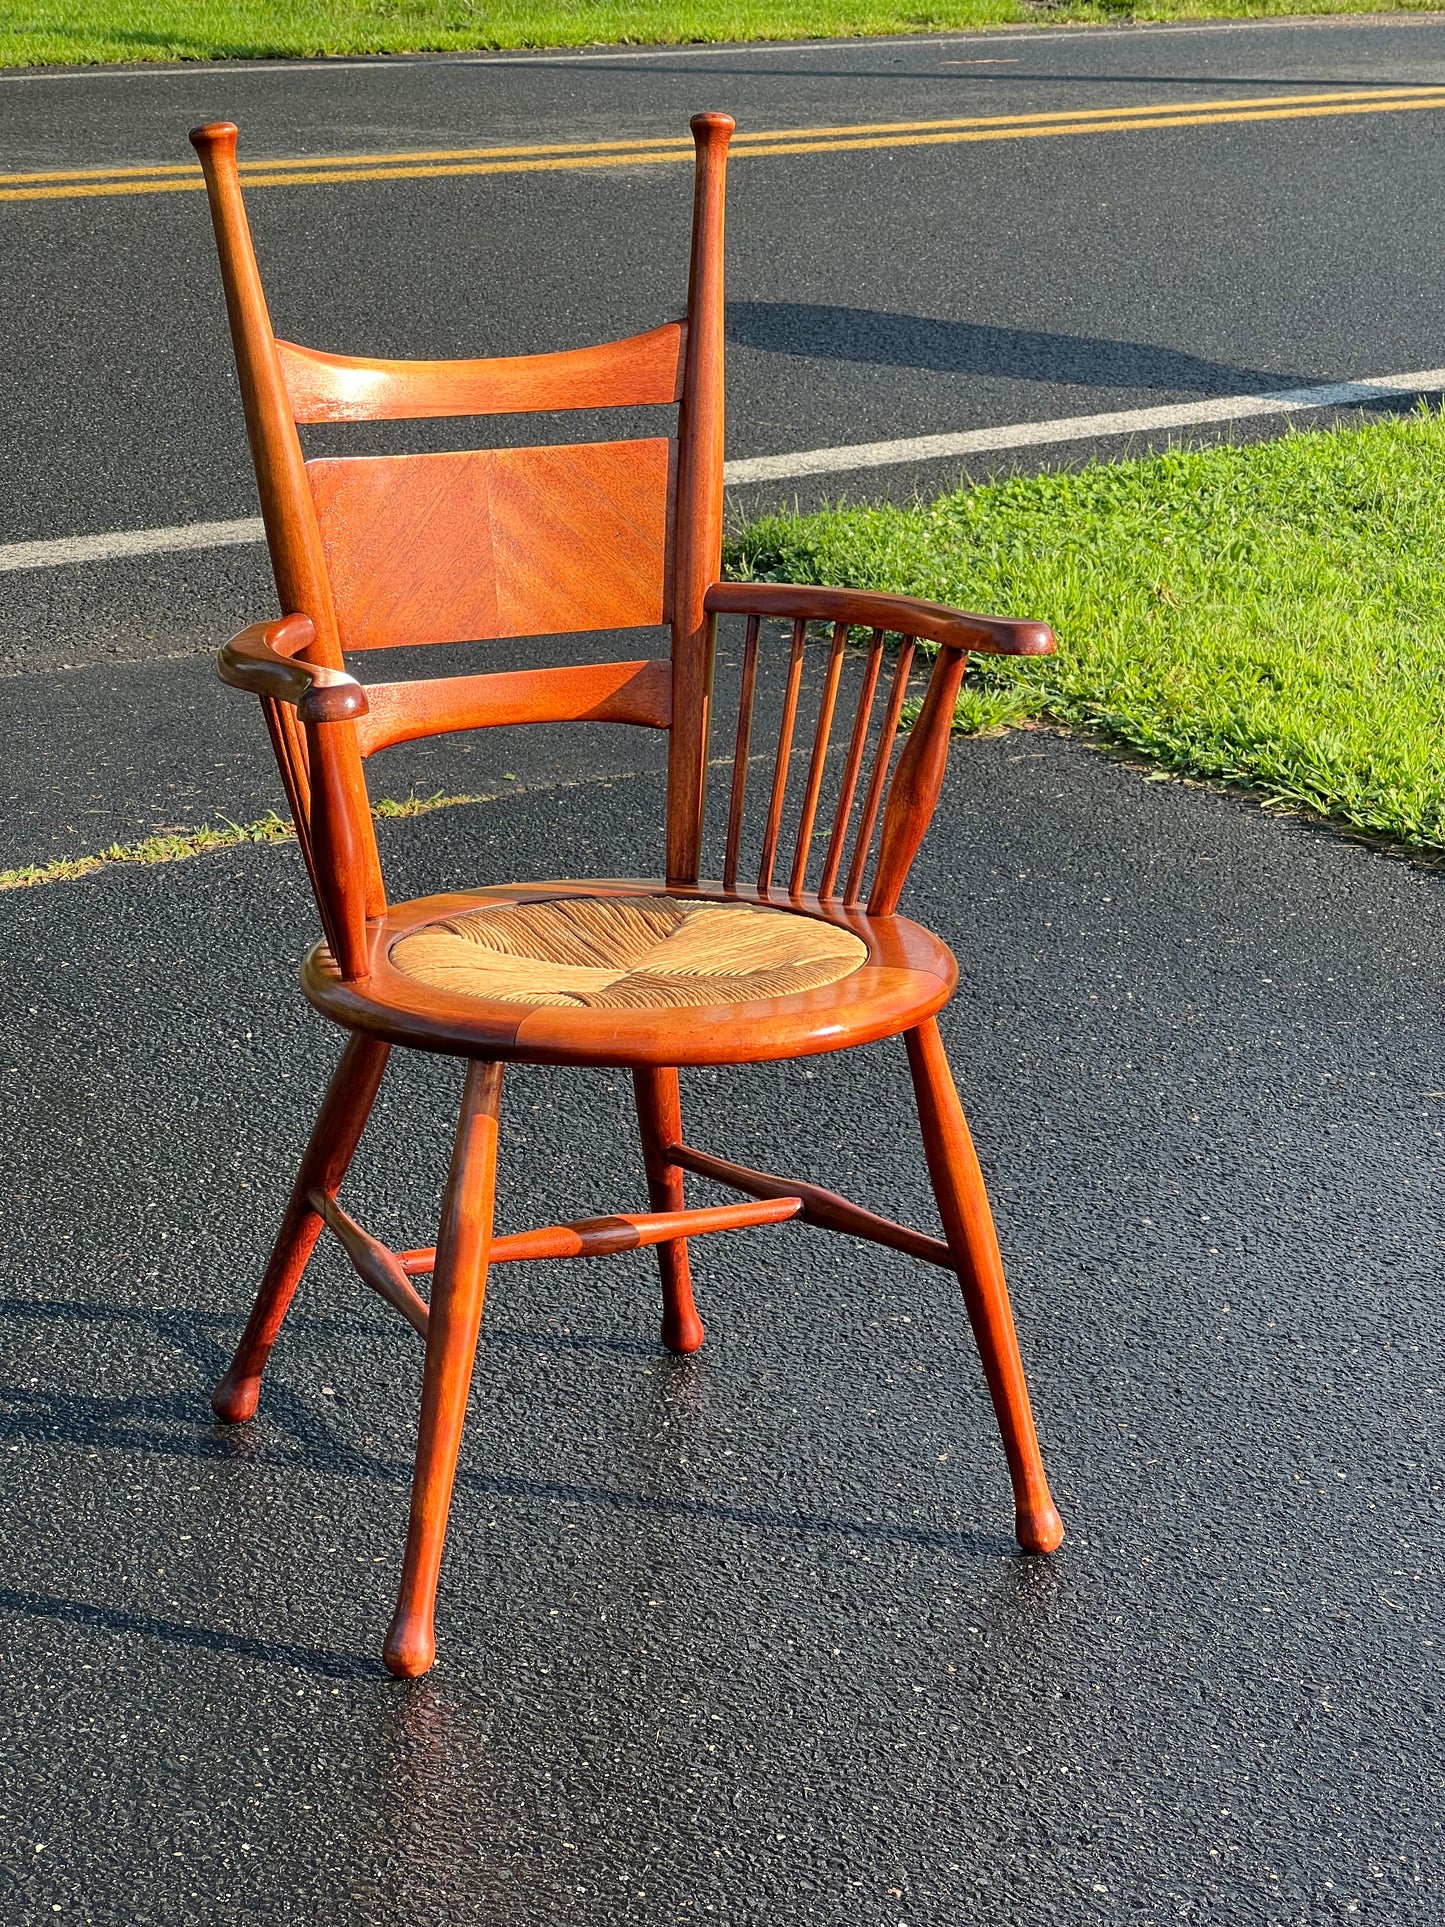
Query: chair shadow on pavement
x=176 y=1424
x=873 y=336
x=180 y=1632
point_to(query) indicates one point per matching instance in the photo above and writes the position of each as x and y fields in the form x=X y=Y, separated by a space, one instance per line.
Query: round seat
x=628 y=953
x=626 y=971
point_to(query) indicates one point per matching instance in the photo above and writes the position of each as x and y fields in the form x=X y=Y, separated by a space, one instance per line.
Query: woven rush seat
x=628 y=953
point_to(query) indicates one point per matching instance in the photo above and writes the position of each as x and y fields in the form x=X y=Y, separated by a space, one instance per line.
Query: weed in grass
x=1273 y=615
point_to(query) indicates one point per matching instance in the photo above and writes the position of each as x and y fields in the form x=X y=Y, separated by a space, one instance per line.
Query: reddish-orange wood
x=823 y=1208
x=334 y=1139
x=659 y=1119
x=623 y=1231
x=857 y=743
x=740 y=754
x=373 y=1263
x=294 y=541
x=377 y=551
x=914 y=792
x=459 y=1290
x=909 y=975
x=353 y=388
x=877 y=782
x=607 y=692
x=496 y=542
x=783 y=760
x=898 y=615
x=803 y=848
x=699 y=503
x=968 y=1226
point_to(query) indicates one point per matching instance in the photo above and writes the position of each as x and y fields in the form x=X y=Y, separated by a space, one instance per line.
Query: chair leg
x=334 y=1138
x=659 y=1116
x=459 y=1287
x=968 y=1227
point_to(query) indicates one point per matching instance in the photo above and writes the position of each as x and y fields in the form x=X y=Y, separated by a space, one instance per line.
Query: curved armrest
x=262 y=661
x=898 y=614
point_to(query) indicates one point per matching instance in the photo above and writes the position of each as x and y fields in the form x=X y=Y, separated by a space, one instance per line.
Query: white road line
x=124 y=542
x=1077 y=428
x=68 y=550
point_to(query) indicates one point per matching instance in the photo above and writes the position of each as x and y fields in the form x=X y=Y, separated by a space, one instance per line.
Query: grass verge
x=1271 y=615
x=47 y=32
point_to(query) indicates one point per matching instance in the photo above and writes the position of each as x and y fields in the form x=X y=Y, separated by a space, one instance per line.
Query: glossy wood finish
x=699 y=504
x=373 y=1263
x=802 y=848
x=352 y=388
x=968 y=1226
x=292 y=537
x=374 y=552
x=334 y=1139
x=659 y=1117
x=819 y=1207
x=898 y=615
x=909 y=975
x=459 y=1290
x=639 y=693
x=857 y=746
x=605 y=1237
x=496 y=542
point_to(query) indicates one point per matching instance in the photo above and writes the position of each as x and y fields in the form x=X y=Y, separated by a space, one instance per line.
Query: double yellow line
x=185 y=178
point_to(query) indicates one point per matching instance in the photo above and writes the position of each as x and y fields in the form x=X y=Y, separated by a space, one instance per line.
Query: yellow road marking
x=183 y=177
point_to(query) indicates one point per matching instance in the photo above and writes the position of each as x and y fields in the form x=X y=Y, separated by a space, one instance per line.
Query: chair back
x=381 y=551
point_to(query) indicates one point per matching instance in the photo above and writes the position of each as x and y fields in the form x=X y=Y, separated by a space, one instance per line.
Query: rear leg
x=659 y=1116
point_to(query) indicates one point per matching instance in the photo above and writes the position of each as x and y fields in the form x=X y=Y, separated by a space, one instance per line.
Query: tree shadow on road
x=874 y=337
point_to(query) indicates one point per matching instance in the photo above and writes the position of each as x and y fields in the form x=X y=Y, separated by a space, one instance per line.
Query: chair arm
x=262 y=661
x=898 y=614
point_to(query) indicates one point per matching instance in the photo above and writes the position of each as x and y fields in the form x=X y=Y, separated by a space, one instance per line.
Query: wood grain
x=639 y=693
x=699 y=503
x=496 y=542
x=643 y=369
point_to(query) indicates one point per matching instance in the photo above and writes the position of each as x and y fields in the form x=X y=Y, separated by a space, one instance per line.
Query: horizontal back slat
x=606 y=692
x=497 y=542
x=351 y=388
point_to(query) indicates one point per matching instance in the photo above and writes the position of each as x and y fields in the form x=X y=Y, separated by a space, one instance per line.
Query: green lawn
x=36 y=32
x=1273 y=615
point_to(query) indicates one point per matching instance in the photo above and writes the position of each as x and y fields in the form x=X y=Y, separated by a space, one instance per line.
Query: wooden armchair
x=370 y=552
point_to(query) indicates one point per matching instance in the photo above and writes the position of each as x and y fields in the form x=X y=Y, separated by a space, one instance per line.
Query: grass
x=174 y=846
x=41 y=32
x=1271 y=615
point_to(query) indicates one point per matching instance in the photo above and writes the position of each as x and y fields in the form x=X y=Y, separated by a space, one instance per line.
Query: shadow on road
x=870 y=335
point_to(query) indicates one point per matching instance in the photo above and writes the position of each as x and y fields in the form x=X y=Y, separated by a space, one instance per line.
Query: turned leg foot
x=459 y=1286
x=968 y=1227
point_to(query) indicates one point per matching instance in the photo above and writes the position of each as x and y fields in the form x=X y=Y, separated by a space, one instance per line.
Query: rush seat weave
x=628 y=953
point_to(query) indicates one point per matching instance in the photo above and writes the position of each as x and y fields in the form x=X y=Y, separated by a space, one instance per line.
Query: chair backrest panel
x=639 y=371
x=501 y=542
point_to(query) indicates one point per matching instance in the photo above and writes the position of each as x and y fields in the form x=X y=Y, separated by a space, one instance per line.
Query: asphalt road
x=876 y=294
x=743 y=1638
x=1199 y=1045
